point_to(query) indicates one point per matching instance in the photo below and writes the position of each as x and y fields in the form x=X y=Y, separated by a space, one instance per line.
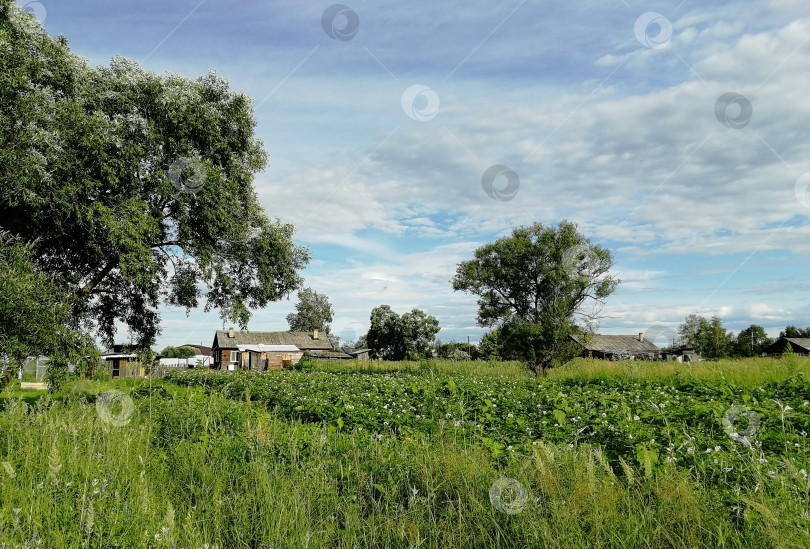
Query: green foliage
x=542 y=345
x=192 y=468
x=794 y=332
x=532 y=283
x=534 y=269
x=708 y=337
x=751 y=341
x=457 y=350
x=678 y=416
x=178 y=352
x=34 y=318
x=312 y=311
x=489 y=348
x=92 y=169
x=406 y=337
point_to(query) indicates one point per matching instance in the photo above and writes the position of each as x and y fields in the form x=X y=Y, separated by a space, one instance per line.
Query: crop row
x=641 y=420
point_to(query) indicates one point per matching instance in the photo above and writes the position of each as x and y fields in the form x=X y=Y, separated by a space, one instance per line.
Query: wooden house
x=799 y=345
x=617 y=347
x=233 y=350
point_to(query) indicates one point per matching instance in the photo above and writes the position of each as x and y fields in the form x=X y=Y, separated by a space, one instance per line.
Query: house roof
x=801 y=344
x=262 y=348
x=302 y=340
x=202 y=349
x=359 y=351
x=118 y=355
x=327 y=354
x=615 y=343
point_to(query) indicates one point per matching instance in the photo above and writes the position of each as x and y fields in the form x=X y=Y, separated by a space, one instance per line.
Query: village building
x=327 y=355
x=617 y=347
x=259 y=351
x=799 y=345
x=361 y=354
x=200 y=360
x=122 y=362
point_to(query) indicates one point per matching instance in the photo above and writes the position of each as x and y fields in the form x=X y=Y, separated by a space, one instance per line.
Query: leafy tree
x=689 y=331
x=489 y=348
x=794 y=332
x=709 y=338
x=459 y=354
x=34 y=318
x=350 y=346
x=406 y=337
x=334 y=340
x=751 y=341
x=313 y=311
x=131 y=187
x=531 y=285
x=178 y=352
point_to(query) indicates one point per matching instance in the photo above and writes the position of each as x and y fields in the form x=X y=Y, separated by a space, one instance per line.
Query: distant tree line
x=711 y=340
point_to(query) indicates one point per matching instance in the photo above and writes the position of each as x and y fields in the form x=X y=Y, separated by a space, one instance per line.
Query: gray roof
x=327 y=354
x=803 y=342
x=262 y=348
x=302 y=340
x=615 y=343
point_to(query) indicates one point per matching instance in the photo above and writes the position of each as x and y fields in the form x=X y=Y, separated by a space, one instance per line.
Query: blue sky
x=612 y=114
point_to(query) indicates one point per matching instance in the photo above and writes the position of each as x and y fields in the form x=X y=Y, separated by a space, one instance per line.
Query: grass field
x=437 y=454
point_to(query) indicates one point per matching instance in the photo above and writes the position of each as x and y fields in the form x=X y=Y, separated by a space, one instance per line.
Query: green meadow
x=430 y=454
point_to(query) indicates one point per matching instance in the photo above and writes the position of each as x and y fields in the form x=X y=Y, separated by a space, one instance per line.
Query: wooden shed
x=360 y=354
x=123 y=364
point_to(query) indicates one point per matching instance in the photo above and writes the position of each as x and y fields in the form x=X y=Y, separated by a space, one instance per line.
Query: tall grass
x=191 y=469
x=749 y=372
x=480 y=368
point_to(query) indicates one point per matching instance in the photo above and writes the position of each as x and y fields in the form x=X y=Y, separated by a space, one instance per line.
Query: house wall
x=256 y=361
x=222 y=358
x=276 y=361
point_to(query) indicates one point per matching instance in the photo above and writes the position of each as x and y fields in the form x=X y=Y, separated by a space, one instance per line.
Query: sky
x=673 y=133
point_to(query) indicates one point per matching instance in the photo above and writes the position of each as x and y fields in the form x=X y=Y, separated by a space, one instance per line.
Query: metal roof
x=262 y=348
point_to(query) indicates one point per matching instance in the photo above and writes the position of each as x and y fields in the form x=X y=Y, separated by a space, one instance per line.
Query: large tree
x=178 y=352
x=707 y=336
x=532 y=284
x=793 y=331
x=406 y=337
x=132 y=188
x=751 y=341
x=312 y=311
